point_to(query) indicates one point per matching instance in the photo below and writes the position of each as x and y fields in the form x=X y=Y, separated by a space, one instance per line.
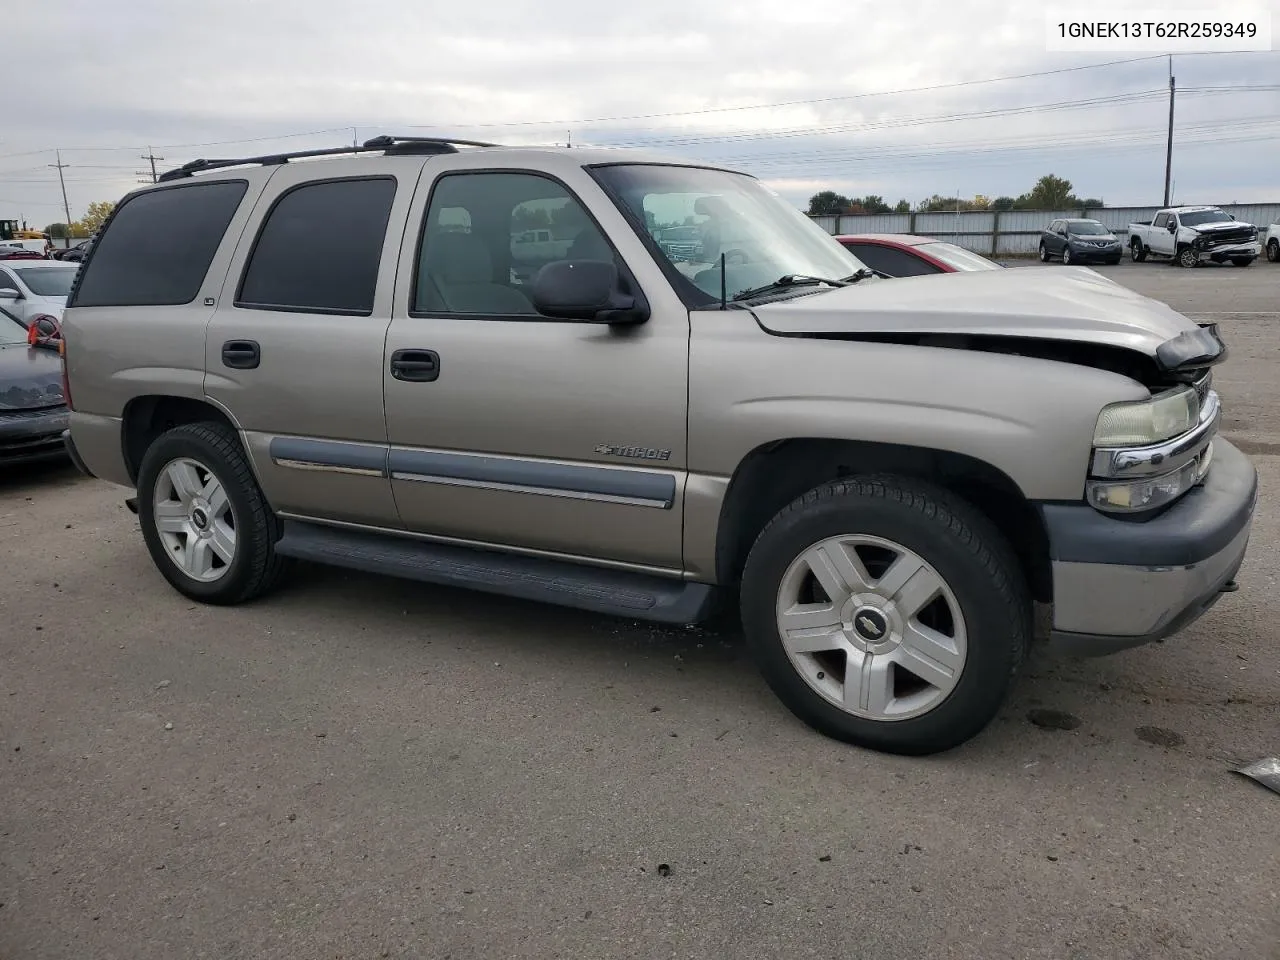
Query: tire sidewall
x=994 y=648
x=180 y=444
x=1182 y=259
x=1044 y=253
x=1273 y=251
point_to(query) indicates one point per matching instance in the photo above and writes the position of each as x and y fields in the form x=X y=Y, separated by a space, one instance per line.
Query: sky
x=902 y=100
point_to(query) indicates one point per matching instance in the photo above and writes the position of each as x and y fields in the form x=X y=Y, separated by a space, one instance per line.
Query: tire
x=1044 y=253
x=1241 y=261
x=1066 y=255
x=1187 y=258
x=1137 y=250
x=1273 y=251
x=984 y=623
x=233 y=535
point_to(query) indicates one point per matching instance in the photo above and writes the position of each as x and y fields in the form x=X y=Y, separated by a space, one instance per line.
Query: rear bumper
x=74 y=454
x=30 y=437
x=1120 y=584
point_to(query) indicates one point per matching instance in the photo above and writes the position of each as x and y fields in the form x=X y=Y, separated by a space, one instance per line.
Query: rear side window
x=158 y=246
x=319 y=249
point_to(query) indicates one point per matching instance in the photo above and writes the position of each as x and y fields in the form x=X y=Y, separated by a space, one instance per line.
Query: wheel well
x=771 y=476
x=145 y=418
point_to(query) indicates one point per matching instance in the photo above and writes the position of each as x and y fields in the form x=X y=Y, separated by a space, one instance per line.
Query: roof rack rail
x=404 y=146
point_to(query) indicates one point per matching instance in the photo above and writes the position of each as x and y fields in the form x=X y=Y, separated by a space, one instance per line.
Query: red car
x=11 y=252
x=904 y=255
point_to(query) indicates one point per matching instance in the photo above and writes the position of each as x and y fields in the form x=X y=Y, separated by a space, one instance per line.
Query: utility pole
x=60 y=166
x=149 y=155
x=1168 y=152
x=354 y=142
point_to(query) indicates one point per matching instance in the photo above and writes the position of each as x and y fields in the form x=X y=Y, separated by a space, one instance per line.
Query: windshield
x=11 y=331
x=1088 y=228
x=47 y=281
x=694 y=214
x=1197 y=217
x=958 y=257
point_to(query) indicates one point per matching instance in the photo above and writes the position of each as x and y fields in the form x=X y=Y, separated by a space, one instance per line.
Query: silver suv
x=363 y=359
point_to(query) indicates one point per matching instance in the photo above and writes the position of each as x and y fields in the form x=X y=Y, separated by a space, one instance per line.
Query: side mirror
x=1173 y=227
x=9 y=294
x=586 y=290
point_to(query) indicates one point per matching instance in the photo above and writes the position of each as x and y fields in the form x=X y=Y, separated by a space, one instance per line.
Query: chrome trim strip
x=327 y=468
x=521 y=488
x=608 y=484
x=672 y=572
x=1136 y=463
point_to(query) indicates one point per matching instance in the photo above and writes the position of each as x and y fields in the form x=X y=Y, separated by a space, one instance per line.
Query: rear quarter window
x=156 y=248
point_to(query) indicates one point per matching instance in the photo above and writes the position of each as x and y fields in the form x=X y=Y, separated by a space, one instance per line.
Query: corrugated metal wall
x=1014 y=232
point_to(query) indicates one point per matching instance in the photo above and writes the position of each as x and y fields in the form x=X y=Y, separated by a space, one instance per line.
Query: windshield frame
x=692 y=296
x=25 y=274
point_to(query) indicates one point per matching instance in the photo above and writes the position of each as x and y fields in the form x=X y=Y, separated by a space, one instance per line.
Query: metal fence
x=1015 y=232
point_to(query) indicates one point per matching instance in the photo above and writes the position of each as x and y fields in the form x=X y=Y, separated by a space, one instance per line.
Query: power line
x=151 y=155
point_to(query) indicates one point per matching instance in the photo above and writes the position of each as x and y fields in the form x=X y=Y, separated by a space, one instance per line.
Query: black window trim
x=74 y=295
x=239 y=304
x=535 y=317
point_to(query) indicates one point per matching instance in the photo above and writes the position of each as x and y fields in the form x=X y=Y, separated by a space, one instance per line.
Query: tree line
x=86 y=226
x=1050 y=193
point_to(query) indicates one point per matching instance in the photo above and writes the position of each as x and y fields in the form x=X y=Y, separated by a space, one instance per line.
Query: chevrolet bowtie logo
x=869 y=626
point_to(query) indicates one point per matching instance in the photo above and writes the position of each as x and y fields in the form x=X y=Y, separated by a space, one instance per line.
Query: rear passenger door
x=294 y=350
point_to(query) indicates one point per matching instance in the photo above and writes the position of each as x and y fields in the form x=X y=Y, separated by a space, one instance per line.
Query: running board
x=636 y=596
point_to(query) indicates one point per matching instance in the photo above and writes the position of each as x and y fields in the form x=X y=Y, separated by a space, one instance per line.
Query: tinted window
x=890 y=260
x=1160 y=220
x=158 y=246
x=319 y=249
x=6 y=281
x=486 y=235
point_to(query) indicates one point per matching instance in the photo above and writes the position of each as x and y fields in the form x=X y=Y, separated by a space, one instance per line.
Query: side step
x=637 y=596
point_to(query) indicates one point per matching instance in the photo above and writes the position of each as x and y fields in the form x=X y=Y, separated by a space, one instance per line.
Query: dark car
x=33 y=410
x=75 y=254
x=905 y=255
x=11 y=251
x=1080 y=241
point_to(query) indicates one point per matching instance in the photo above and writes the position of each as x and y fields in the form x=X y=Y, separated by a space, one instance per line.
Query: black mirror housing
x=590 y=291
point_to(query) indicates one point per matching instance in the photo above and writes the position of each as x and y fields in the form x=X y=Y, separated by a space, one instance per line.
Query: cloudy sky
x=898 y=99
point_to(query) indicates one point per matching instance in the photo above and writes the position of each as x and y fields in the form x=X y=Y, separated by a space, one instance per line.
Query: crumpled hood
x=29 y=377
x=1048 y=303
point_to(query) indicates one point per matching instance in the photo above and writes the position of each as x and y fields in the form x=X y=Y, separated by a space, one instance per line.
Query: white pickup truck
x=1271 y=242
x=1189 y=235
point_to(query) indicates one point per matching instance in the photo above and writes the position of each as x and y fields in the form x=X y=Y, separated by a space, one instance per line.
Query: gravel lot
x=361 y=767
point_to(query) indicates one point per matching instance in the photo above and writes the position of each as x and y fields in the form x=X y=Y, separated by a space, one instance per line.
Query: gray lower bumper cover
x=1120 y=584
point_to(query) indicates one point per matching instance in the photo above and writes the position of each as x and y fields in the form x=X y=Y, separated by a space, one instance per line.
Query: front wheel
x=1273 y=251
x=1066 y=256
x=886 y=613
x=1187 y=257
x=205 y=521
x=1137 y=250
x=1044 y=253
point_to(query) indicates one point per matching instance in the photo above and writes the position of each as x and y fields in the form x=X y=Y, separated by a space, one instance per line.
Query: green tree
x=1050 y=193
x=827 y=203
x=1003 y=203
x=58 y=231
x=1091 y=203
x=870 y=204
x=902 y=206
x=93 y=219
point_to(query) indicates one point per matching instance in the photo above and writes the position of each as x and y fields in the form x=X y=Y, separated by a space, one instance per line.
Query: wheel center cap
x=870 y=625
x=200 y=518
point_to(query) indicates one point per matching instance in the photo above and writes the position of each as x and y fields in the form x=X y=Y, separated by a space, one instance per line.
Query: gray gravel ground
x=360 y=767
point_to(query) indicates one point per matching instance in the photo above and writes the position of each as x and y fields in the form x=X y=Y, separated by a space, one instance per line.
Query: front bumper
x=32 y=435
x=1227 y=251
x=1093 y=254
x=1120 y=584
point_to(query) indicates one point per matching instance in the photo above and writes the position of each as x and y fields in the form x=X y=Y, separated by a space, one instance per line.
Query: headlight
x=1137 y=495
x=1145 y=422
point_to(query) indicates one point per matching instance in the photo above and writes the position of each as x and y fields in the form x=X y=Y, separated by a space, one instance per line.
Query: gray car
x=335 y=361
x=1080 y=241
x=33 y=411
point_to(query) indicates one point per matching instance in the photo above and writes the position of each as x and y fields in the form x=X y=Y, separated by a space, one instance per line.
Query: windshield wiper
x=863 y=274
x=789 y=280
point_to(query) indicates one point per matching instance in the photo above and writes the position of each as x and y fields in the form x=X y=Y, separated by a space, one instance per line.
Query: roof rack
x=402 y=146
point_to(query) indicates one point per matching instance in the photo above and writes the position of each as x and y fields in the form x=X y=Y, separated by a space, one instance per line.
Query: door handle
x=241 y=354
x=415 y=366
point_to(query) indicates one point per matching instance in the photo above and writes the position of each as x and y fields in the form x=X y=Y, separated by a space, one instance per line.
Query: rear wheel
x=886 y=613
x=1137 y=250
x=1273 y=251
x=1066 y=255
x=1044 y=253
x=206 y=523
